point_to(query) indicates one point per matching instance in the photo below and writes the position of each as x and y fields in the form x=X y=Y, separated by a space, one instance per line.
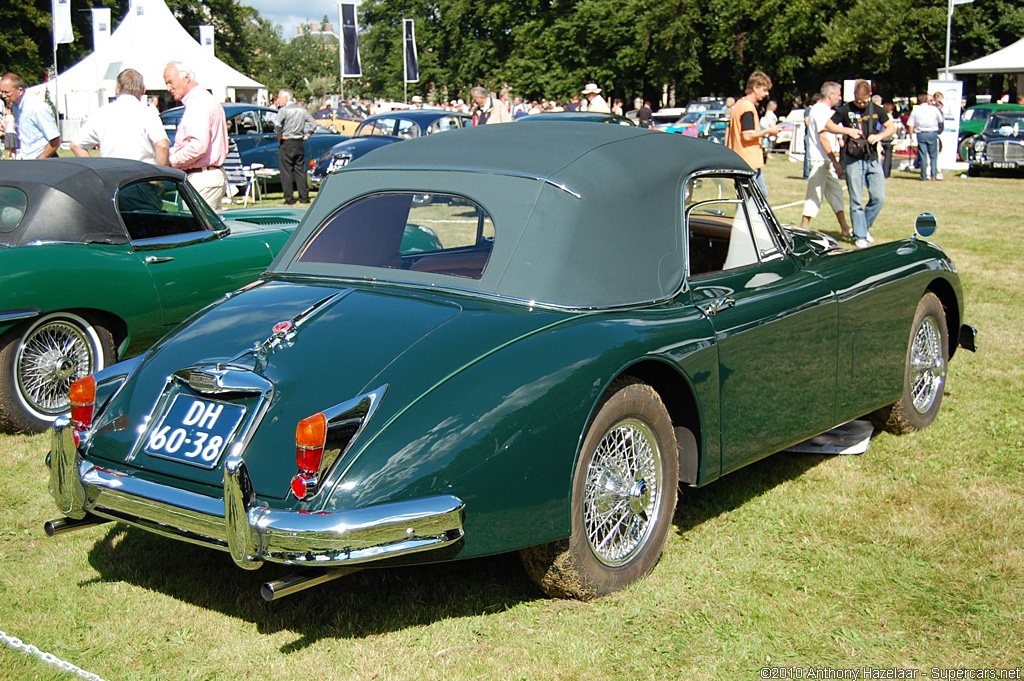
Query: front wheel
x=924 y=377
x=38 y=362
x=623 y=498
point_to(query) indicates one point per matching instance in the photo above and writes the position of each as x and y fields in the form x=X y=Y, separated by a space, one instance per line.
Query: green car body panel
x=485 y=393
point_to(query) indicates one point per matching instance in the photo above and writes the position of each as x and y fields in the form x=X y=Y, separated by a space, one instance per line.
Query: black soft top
x=72 y=199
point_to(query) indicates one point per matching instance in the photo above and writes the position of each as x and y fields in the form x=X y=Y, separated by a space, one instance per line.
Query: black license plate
x=194 y=431
x=1004 y=165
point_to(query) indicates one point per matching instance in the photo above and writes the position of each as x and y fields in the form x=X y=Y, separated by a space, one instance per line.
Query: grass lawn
x=909 y=556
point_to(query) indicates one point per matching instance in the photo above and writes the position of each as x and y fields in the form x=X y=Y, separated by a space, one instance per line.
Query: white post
x=949 y=31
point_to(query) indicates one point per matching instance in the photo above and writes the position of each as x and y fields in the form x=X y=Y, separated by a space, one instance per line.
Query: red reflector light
x=310 y=438
x=83 y=402
x=299 y=487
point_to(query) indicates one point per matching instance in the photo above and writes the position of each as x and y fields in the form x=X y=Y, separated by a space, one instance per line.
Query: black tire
x=38 y=362
x=623 y=499
x=924 y=377
x=963 y=148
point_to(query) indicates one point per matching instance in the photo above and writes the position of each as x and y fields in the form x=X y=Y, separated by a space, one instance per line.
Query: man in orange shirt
x=745 y=132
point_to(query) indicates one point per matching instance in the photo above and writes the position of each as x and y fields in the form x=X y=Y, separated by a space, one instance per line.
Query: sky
x=290 y=14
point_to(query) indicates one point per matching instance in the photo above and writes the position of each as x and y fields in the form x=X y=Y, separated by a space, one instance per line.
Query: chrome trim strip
x=18 y=315
x=243 y=525
x=475 y=171
x=176 y=240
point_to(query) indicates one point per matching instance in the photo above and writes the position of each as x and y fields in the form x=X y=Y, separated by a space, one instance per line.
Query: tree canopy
x=656 y=49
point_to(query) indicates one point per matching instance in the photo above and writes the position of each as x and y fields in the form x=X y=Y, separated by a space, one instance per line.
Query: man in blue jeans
x=858 y=120
x=926 y=121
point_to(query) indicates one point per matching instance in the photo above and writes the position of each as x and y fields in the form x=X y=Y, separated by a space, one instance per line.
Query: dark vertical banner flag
x=350 y=41
x=62 y=32
x=412 y=65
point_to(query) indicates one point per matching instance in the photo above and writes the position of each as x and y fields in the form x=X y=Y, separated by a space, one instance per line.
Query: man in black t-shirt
x=859 y=120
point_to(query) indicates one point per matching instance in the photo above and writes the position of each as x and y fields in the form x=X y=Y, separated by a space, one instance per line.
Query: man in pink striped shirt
x=201 y=142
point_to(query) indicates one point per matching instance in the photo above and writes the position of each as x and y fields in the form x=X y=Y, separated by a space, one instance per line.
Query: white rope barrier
x=16 y=643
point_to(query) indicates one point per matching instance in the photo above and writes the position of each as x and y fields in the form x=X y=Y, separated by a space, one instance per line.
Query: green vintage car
x=101 y=257
x=609 y=312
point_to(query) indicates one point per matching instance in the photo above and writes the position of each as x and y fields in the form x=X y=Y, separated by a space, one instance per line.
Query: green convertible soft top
x=585 y=215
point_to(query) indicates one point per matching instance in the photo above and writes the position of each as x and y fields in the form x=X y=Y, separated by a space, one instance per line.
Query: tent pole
x=341 y=57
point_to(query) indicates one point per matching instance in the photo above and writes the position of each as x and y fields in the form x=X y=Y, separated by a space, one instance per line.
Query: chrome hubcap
x=49 y=359
x=623 y=492
x=927 y=366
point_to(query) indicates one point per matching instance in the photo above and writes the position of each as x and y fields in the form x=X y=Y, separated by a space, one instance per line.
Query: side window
x=268 y=119
x=433 y=233
x=719 y=229
x=442 y=124
x=761 y=226
x=407 y=129
x=155 y=208
x=13 y=205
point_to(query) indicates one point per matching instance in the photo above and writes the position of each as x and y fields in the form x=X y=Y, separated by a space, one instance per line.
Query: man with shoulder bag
x=858 y=120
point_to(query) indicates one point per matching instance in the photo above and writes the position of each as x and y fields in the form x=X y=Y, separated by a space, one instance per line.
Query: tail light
x=312 y=163
x=83 y=404
x=310 y=440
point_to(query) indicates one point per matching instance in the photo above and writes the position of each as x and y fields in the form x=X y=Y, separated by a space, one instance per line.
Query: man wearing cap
x=595 y=102
x=201 y=142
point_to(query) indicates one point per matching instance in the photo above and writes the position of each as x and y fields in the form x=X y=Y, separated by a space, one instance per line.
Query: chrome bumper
x=250 y=530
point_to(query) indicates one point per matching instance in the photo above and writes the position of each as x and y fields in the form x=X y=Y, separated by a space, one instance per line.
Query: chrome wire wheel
x=623 y=492
x=927 y=365
x=52 y=354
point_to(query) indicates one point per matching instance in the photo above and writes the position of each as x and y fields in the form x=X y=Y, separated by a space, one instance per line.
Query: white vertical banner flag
x=100 y=27
x=62 y=32
x=206 y=37
x=412 y=66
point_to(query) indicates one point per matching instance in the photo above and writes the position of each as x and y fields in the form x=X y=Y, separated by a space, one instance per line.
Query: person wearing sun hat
x=595 y=102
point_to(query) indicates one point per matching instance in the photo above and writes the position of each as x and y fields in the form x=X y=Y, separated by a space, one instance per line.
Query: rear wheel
x=623 y=498
x=38 y=362
x=924 y=377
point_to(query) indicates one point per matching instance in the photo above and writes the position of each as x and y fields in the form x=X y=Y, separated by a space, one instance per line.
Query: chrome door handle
x=155 y=259
x=716 y=306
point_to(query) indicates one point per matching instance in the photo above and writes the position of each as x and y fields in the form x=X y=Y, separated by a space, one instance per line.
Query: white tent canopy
x=1007 y=60
x=146 y=40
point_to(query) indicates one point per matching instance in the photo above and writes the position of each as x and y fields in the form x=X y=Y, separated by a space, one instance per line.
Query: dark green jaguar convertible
x=602 y=313
x=101 y=257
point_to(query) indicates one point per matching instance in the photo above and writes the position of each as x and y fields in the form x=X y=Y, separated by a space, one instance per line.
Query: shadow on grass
x=380 y=600
x=697 y=506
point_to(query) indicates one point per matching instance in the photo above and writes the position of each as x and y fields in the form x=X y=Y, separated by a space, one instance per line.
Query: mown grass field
x=909 y=556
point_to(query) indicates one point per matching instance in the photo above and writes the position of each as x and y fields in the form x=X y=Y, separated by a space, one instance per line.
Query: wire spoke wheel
x=927 y=366
x=622 y=492
x=48 y=360
x=623 y=498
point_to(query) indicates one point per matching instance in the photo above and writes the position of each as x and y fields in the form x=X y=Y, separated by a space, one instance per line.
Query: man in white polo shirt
x=125 y=128
x=825 y=166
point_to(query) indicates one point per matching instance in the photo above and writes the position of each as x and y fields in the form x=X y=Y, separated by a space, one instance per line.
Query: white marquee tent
x=146 y=40
x=1007 y=60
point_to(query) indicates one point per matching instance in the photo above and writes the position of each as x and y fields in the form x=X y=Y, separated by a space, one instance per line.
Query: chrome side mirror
x=925 y=225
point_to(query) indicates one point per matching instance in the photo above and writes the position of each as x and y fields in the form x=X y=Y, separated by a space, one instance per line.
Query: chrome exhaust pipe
x=64 y=525
x=290 y=584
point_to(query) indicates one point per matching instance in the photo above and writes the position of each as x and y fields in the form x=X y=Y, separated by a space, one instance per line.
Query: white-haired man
x=125 y=128
x=201 y=142
x=293 y=125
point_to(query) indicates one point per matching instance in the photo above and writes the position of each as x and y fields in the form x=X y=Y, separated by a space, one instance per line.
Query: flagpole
x=56 y=79
x=405 y=67
x=341 y=57
x=949 y=30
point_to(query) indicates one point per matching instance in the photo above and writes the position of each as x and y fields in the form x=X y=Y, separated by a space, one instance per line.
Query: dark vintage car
x=577 y=117
x=973 y=122
x=381 y=130
x=251 y=127
x=609 y=312
x=101 y=257
x=1000 y=145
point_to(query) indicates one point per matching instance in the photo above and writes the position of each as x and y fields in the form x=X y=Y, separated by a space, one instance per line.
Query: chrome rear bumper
x=249 y=529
